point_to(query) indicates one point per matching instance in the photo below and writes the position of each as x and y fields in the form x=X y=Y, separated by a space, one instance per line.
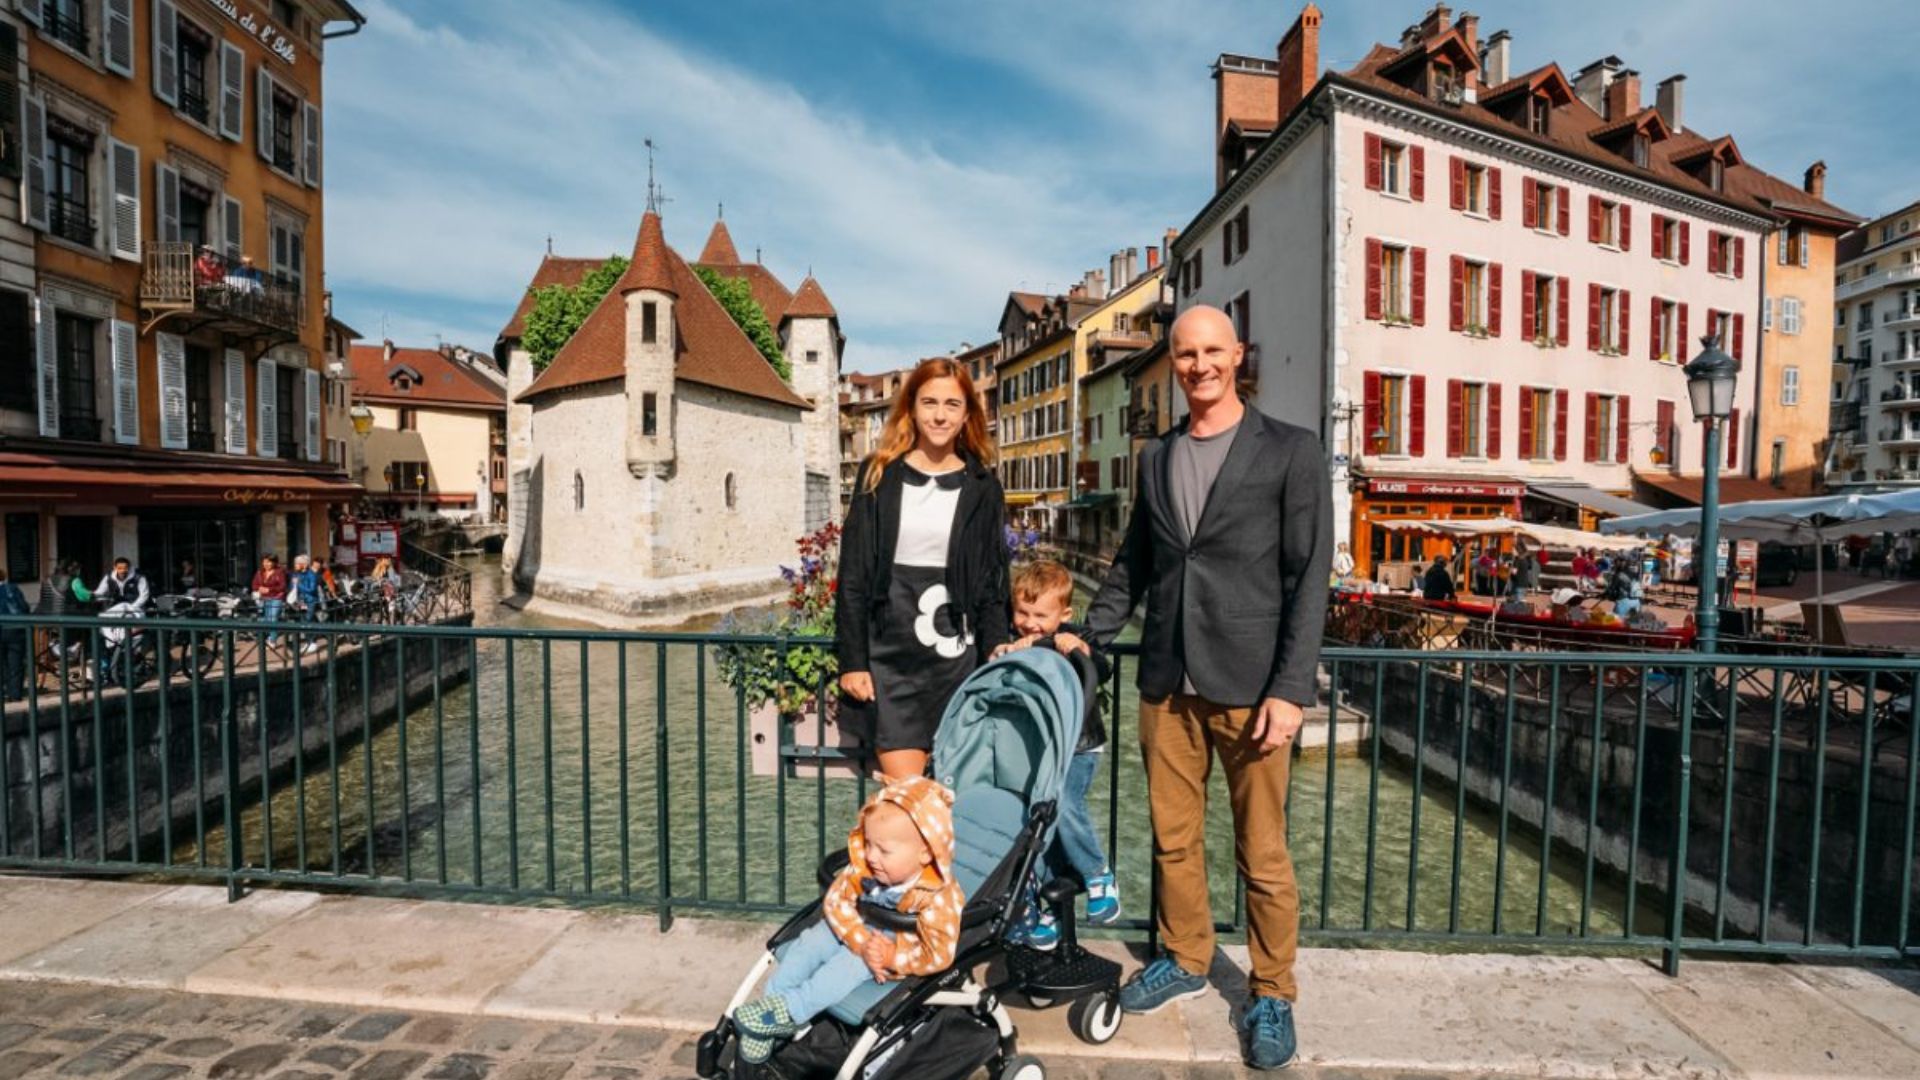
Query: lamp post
x=420 y=491
x=1710 y=383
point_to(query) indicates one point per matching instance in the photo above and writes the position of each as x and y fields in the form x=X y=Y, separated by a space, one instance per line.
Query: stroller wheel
x=1095 y=1019
x=1021 y=1067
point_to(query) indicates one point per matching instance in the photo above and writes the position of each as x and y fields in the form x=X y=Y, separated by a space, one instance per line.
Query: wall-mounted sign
x=249 y=496
x=1431 y=487
x=259 y=29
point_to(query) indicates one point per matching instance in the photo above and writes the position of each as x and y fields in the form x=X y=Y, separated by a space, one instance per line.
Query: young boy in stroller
x=1002 y=749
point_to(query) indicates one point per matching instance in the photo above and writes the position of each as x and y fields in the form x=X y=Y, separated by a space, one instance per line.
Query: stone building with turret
x=658 y=466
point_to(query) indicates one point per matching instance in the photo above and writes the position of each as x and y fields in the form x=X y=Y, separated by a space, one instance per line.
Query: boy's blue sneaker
x=1159 y=984
x=1268 y=1025
x=1038 y=931
x=1103 y=899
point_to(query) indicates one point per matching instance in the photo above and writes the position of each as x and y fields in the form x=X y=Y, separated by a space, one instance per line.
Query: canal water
x=587 y=787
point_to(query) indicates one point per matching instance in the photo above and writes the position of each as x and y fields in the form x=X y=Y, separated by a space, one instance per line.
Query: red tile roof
x=647 y=269
x=553 y=270
x=443 y=381
x=719 y=247
x=1031 y=303
x=708 y=348
x=767 y=290
x=810 y=303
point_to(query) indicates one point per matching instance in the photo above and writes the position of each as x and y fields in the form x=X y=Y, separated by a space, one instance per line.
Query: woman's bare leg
x=901 y=764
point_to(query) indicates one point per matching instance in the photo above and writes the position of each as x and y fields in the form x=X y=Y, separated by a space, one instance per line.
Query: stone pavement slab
x=1882 y=993
x=370 y=951
x=39 y=911
x=601 y=971
x=159 y=942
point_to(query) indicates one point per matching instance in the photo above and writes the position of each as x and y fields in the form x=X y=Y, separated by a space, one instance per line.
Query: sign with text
x=259 y=29
x=247 y=496
x=1446 y=487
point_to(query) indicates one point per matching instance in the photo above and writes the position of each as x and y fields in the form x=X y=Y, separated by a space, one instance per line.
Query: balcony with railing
x=1903 y=318
x=67 y=24
x=208 y=291
x=1900 y=397
x=1897 y=275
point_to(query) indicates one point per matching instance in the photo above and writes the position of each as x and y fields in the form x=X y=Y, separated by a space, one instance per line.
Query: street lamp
x=362 y=418
x=420 y=490
x=1710 y=382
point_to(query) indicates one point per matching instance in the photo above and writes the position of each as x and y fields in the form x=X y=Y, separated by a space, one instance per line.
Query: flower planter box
x=797 y=743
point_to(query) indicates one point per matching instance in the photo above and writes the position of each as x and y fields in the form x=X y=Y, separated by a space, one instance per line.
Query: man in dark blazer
x=1230 y=543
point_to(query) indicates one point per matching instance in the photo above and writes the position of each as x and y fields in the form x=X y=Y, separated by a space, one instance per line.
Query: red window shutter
x=1526 y=424
x=1417 y=174
x=1625 y=302
x=1417 y=415
x=1370 y=411
x=1418 y=286
x=1493 y=421
x=1593 y=219
x=1456 y=293
x=1653 y=328
x=1593 y=316
x=1566 y=200
x=1373 y=279
x=1527 y=329
x=1529 y=203
x=1560 y=425
x=1564 y=288
x=1739 y=335
x=1493 y=299
x=1733 y=440
x=1456 y=183
x=1456 y=430
x=1626 y=227
x=1713 y=251
x=1620 y=407
x=1373 y=163
x=1593 y=427
x=1659 y=223
x=1493 y=193
x=1680 y=338
x=1686 y=242
x=1739 y=256
x=1663 y=432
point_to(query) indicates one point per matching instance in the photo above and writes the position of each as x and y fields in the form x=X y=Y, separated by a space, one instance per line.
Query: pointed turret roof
x=810 y=302
x=648 y=268
x=719 y=247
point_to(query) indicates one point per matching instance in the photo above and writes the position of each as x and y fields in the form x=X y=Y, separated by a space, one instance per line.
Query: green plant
x=791 y=678
x=558 y=310
x=736 y=296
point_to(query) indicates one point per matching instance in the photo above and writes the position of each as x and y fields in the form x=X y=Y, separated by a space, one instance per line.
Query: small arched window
x=733 y=492
x=579 y=491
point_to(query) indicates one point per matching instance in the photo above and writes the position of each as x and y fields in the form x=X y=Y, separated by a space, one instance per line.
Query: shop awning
x=31 y=477
x=1677 y=491
x=1551 y=535
x=1022 y=498
x=1589 y=497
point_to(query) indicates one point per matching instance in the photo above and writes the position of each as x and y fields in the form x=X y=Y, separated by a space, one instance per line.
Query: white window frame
x=1546 y=425
x=1546 y=207
x=1473 y=294
x=1396 y=299
x=1790 y=385
x=1668 y=328
x=1473 y=421
x=1473 y=183
x=1610 y=224
x=1609 y=320
x=1606 y=416
x=1790 y=314
x=1727 y=244
x=1393 y=169
x=1397 y=426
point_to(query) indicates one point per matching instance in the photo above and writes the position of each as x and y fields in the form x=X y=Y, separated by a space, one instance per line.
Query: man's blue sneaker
x=1160 y=983
x=1037 y=931
x=1103 y=899
x=1268 y=1025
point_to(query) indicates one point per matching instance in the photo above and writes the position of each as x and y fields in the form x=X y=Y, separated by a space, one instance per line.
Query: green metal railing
x=1655 y=802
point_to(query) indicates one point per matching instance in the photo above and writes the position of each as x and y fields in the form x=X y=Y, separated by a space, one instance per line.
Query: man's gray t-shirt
x=1191 y=471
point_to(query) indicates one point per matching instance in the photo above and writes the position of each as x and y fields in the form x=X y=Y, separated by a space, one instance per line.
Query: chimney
x=1435 y=23
x=1166 y=245
x=1623 y=95
x=1591 y=84
x=1668 y=99
x=1497 y=58
x=1816 y=180
x=1153 y=258
x=1132 y=264
x=386 y=351
x=1299 y=60
x=1116 y=271
x=1469 y=26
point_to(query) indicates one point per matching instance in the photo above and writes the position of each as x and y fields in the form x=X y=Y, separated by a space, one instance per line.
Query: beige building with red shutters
x=1479 y=283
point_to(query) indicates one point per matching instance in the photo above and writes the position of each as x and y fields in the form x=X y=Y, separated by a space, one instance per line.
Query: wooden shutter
x=1713 y=251
x=1373 y=163
x=1593 y=219
x=233 y=219
x=9 y=101
x=1417 y=173
x=1456 y=293
x=1418 y=285
x=1739 y=256
x=1560 y=425
x=1622 y=449
x=1780 y=255
x=1733 y=440
x=1680 y=338
x=1653 y=328
x=1417 y=415
x=1592 y=448
x=1456 y=183
x=236 y=401
x=1806 y=244
x=1623 y=305
x=1686 y=242
x=166 y=52
x=170 y=350
x=1566 y=200
x=310 y=405
x=1370 y=416
x=310 y=139
x=166 y=197
x=1456 y=421
x=268 y=440
x=1491 y=440
x=1563 y=290
x=1593 y=316
x=233 y=91
x=49 y=381
x=1528 y=331
x=117 y=54
x=1493 y=299
x=1658 y=225
x=123 y=163
x=1526 y=424
x=1529 y=203
x=1739 y=335
x=263 y=112
x=1663 y=432
x=1373 y=277
x=33 y=185
x=1493 y=192
x=122 y=343
x=1625 y=232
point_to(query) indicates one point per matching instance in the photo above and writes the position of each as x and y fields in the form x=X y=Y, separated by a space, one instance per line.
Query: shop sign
x=247 y=496
x=1445 y=487
x=259 y=29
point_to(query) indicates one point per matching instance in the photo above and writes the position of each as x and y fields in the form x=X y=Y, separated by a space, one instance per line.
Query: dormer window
x=1444 y=80
x=1716 y=174
x=1642 y=149
x=1538 y=110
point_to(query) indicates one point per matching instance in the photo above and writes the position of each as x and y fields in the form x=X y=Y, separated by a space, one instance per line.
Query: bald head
x=1202 y=322
x=1206 y=351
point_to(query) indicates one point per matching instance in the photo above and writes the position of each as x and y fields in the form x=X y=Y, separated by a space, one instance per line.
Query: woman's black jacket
x=976 y=575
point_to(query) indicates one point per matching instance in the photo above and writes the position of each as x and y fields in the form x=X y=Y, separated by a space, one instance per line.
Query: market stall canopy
x=1550 y=535
x=1795 y=521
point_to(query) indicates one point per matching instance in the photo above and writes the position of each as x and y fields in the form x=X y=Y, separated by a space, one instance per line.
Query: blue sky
x=923 y=159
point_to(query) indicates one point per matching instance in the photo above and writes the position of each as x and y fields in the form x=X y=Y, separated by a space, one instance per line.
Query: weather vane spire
x=653 y=189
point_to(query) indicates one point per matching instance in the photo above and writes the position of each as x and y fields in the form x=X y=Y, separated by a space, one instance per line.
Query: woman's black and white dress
x=922 y=648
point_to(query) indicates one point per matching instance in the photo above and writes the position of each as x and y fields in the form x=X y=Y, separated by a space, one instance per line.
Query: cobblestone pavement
x=60 y=1030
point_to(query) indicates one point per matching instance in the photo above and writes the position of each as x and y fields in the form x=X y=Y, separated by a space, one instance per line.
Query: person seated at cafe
x=1438 y=584
x=208 y=269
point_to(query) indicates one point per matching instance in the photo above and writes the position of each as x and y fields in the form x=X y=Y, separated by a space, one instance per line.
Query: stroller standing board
x=1003 y=746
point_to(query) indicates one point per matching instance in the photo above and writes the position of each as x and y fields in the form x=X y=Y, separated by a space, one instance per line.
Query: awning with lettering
x=31 y=477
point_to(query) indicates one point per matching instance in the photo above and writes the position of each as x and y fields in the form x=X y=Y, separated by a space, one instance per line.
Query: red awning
x=27 y=477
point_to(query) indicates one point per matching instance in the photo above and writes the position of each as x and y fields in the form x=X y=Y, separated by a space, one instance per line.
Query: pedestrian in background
x=13 y=642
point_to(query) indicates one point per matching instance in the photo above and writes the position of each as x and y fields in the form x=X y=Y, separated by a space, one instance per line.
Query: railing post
x=1677 y=868
x=230 y=766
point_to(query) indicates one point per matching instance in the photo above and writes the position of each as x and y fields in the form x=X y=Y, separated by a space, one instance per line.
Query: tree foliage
x=736 y=296
x=558 y=310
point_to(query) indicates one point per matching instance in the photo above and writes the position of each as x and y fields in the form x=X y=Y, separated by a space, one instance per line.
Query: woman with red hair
x=923 y=567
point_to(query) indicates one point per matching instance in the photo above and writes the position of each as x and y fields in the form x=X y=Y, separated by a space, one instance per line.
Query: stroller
x=1003 y=746
x=126 y=657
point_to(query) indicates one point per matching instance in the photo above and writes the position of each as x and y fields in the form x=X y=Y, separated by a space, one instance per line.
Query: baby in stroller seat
x=899 y=856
